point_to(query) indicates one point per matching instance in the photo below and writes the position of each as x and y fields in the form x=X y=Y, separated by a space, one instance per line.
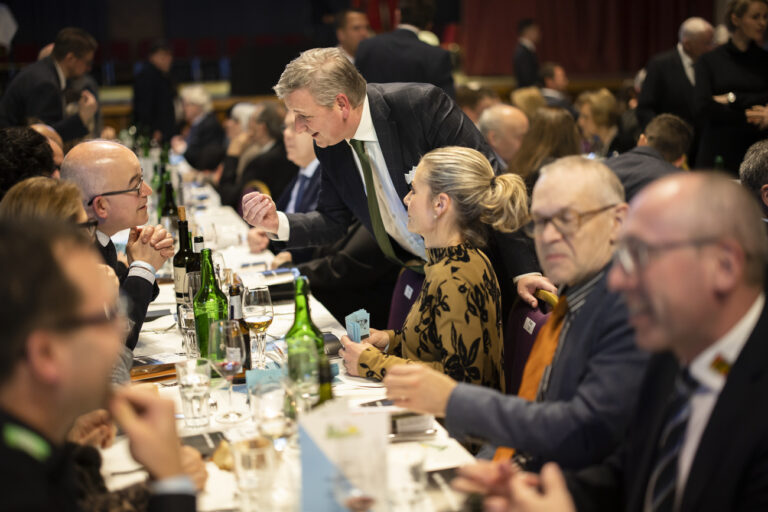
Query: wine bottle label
x=197 y=246
x=179 y=273
x=236 y=305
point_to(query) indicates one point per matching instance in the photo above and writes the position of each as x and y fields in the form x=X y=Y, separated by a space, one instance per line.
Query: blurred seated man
x=271 y=168
x=554 y=88
x=55 y=360
x=581 y=379
x=57 y=145
x=503 y=127
x=204 y=128
x=351 y=28
x=115 y=194
x=23 y=153
x=474 y=99
x=660 y=150
x=753 y=174
x=154 y=94
x=694 y=281
x=36 y=92
x=238 y=119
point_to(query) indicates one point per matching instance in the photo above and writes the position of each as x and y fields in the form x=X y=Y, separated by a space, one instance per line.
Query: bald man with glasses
x=115 y=195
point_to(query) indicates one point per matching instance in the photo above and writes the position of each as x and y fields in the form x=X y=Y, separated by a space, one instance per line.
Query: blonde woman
x=455 y=325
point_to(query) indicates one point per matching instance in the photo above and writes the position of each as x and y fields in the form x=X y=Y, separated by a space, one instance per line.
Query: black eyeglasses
x=89 y=226
x=567 y=222
x=116 y=313
x=633 y=254
x=136 y=190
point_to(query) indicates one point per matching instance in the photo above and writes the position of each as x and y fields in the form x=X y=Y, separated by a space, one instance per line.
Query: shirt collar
x=310 y=169
x=103 y=238
x=60 y=72
x=365 y=130
x=527 y=43
x=577 y=294
x=552 y=93
x=710 y=368
x=687 y=60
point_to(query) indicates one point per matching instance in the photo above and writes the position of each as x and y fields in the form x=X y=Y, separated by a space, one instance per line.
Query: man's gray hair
x=753 y=172
x=325 y=73
x=693 y=27
x=576 y=167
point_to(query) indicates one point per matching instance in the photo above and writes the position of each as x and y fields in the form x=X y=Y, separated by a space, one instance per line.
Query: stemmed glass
x=258 y=314
x=302 y=372
x=226 y=351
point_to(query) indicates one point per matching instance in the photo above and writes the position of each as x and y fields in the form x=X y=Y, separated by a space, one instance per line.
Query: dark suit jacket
x=400 y=56
x=137 y=289
x=730 y=467
x=153 y=96
x=666 y=89
x=308 y=204
x=638 y=167
x=36 y=93
x=208 y=132
x=410 y=120
x=526 y=65
x=271 y=167
x=588 y=404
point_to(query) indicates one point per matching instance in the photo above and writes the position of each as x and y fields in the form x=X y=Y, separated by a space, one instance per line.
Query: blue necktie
x=302 y=185
x=660 y=494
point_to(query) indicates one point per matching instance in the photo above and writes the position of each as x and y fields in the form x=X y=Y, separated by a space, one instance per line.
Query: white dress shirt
x=711 y=382
x=60 y=72
x=307 y=172
x=138 y=268
x=687 y=64
x=393 y=212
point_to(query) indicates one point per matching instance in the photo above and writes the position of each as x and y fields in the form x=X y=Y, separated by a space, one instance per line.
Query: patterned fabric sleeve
x=452 y=324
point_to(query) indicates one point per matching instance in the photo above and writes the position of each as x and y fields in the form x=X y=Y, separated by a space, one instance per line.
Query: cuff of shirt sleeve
x=517 y=278
x=283 y=228
x=143 y=270
x=181 y=484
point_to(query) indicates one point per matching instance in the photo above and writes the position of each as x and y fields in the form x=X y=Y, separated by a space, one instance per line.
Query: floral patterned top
x=454 y=326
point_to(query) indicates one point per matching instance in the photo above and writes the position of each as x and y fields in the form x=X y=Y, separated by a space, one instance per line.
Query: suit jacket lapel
x=727 y=413
x=389 y=139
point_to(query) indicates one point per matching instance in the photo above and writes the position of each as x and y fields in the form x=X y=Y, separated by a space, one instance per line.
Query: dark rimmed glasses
x=566 y=222
x=136 y=190
x=633 y=254
x=118 y=312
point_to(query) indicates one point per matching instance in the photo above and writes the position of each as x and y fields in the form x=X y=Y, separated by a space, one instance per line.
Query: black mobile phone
x=206 y=443
x=378 y=403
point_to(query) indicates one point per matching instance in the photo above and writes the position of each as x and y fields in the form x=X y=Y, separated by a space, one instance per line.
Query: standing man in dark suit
x=37 y=91
x=367 y=138
x=660 y=151
x=669 y=82
x=154 y=94
x=525 y=61
x=115 y=193
x=400 y=56
x=59 y=343
x=573 y=405
x=695 y=283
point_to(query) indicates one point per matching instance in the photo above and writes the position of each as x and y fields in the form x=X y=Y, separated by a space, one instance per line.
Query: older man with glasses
x=580 y=381
x=115 y=195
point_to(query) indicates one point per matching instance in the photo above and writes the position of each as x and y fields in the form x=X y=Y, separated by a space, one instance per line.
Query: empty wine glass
x=226 y=350
x=191 y=286
x=258 y=314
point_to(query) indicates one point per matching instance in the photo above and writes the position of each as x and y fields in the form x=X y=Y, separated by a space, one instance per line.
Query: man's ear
x=764 y=196
x=100 y=208
x=42 y=356
x=343 y=104
x=619 y=216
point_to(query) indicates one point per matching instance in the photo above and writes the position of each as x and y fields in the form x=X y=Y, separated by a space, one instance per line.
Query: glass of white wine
x=258 y=314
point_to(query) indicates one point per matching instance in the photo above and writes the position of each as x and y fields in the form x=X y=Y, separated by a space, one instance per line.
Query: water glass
x=194 y=378
x=255 y=467
x=191 y=286
x=267 y=400
x=188 y=333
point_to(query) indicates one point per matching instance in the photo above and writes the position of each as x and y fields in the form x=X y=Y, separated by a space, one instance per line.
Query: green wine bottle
x=168 y=213
x=302 y=320
x=210 y=303
x=324 y=379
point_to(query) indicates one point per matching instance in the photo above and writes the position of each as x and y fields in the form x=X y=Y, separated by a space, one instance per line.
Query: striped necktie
x=660 y=493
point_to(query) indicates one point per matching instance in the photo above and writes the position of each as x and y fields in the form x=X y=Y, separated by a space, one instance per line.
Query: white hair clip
x=410 y=175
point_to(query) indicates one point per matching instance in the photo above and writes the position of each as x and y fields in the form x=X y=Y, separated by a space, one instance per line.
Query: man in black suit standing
x=36 y=93
x=525 y=61
x=668 y=84
x=154 y=94
x=367 y=138
x=400 y=56
x=660 y=150
x=694 y=281
x=115 y=193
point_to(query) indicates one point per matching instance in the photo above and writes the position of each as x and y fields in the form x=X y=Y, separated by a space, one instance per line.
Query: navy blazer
x=587 y=405
x=36 y=93
x=207 y=133
x=730 y=467
x=638 y=167
x=400 y=56
x=308 y=199
x=410 y=120
x=666 y=89
x=526 y=65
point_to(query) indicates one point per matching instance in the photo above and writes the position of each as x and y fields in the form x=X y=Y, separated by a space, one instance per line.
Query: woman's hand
x=350 y=352
x=379 y=339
